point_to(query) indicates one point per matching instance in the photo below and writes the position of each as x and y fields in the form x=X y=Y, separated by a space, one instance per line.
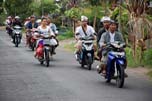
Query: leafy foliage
x=73 y=13
x=17 y=7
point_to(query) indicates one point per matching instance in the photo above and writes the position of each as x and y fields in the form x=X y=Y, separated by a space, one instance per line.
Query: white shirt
x=26 y=22
x=8 y=21
x=112 y=37
x=89 y=31
x=47 y=30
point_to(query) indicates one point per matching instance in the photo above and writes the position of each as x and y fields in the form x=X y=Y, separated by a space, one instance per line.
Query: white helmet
x=17 y=17
x=84 y=18
x=38 y=20
x=105 y=18
x=9 y=17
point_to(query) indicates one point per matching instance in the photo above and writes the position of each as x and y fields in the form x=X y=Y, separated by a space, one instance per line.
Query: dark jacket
x=101 y=31
x=29 y=25
x=17 y=23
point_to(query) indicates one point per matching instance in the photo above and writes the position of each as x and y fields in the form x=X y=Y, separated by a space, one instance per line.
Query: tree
x=1 y=7
x=95 y=10
x=18 y=7
x=139 y=24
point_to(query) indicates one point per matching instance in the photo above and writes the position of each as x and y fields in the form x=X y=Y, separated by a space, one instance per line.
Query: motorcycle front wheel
x=89 y=62
x=120 y=76
x=47 y=58
x=16 y=41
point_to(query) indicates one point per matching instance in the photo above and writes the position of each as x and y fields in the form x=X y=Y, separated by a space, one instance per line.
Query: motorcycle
x=31 y=39
x=116 y=63
x=45 y=49
x=17 y=35
x=86 y=55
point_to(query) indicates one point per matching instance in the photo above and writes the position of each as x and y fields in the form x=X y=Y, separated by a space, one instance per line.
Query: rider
x=54 y=29
x=43 y=29
x=8 y=25
x=110 y=36
x=32 y=23
x=82 y=31
x=29 y=27
x=16 y=22
x=106 y=23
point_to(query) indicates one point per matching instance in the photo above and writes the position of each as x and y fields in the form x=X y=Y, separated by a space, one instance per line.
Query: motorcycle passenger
x=16 y=22
x=110 y=36
x=38 y=21
x=55 y=31
x=8 y=25
x=29 y=27
x=42 y=29
x=83 y=31
x=27 y=20
x=106 y=23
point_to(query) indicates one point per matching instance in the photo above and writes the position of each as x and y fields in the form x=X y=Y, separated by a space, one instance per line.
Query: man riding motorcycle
x=16 y=22
x=82 y=31
x=29 y=28
x=110 y=36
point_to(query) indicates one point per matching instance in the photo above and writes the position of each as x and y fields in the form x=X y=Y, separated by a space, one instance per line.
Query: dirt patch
x=68 y=41
x=2 y=27
x=139 y=72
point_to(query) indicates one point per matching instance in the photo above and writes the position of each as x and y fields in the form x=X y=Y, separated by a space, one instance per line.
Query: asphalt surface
x=22 y=78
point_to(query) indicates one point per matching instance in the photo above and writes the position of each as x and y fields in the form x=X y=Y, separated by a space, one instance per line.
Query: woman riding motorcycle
x=42 y=29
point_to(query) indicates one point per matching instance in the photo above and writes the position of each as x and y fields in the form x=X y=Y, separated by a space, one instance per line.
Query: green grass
x=132 y=62
x=70 y=47
x=150 y=74
x=66 y=35
x=130 y=59
x=148 y=57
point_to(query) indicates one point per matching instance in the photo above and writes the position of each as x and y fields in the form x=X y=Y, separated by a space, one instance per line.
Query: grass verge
x=150 y=74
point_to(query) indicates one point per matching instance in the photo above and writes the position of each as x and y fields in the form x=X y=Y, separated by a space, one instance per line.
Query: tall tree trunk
x=95 y=18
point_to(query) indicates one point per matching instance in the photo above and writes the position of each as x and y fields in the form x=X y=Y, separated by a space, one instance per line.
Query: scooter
x=45 y=49
x=86 y=55
x=17 y=35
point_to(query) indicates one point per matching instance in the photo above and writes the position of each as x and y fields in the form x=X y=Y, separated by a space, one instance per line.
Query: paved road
x=22 y=78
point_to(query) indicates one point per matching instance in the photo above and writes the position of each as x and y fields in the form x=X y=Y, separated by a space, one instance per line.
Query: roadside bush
x=65 y=35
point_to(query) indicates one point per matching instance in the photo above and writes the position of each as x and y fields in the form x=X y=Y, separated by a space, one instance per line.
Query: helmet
x=84 y=18
x=113 y=22
x=105 y=18
x=17 y=17
x=32 y=16
x=9 y=17
x=38 y=20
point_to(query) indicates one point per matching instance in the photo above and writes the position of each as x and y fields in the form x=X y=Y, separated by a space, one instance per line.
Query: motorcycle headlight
x=119 y=54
